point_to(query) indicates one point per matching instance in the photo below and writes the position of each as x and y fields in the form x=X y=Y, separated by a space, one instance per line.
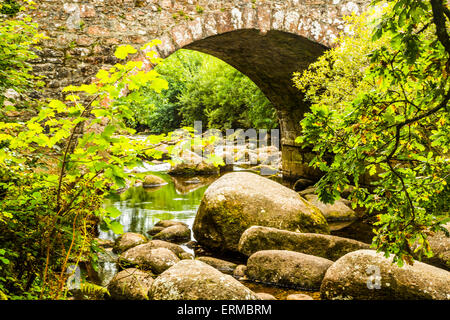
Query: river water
x=178 y=200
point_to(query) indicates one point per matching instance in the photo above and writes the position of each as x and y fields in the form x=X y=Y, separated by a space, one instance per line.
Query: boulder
x=299 y=296
x=155 y=230
x=130 y=284
x=175 y=233
x=287 y=268
x=221 y=265
x=152 y=180
x=128 y=240
x=176 y=249
x=239 y=200
x=186 y=255
x=368 y=275
x=338 y=211
x=239 y=271
x=169 y=223
x=302 y=184
x=145 y=257
x=195 y=280
x=191 y=164
x=190 y=169
x=265 y=296
x=104 y=243
x=440 y=245
x=258 y=238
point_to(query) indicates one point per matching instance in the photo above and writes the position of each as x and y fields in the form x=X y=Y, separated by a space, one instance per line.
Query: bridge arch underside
x=269 y=60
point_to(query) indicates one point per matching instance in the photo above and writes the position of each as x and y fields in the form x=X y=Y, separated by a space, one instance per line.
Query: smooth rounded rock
x=239 y=200
x=130 y=284
x=440 y=245
x=287 y=268
x=299 y=296
x=155 y=230
x=195 y=280
x=338 y=211
x=175 y=233
x=169 y=223
x=239 y=271
x=259 y=238
x=191 y=164
x=265 y=296
x=368 y=275
x=152 y=180
x=221 y=265
x=179 y=251
x=128 y=240
x=155 y=259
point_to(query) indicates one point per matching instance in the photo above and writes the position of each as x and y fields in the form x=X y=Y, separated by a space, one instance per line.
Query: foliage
x=54 y=179
x=380 y=108
x=201 y=88
x=18 y=35
x=10 y=7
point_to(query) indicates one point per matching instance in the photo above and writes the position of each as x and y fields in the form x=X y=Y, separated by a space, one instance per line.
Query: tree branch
x=439 y=9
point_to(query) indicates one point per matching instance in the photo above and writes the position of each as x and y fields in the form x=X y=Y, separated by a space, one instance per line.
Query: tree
x=201 y=88
x=380 y=107
x=53 y=182
x=18 y=39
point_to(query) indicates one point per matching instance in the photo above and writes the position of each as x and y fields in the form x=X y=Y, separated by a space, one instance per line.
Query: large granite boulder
x=130 y=284
x=195 y=280
x=239 y=200
x=367 y=275
x=287 y=268
x=338 y=211
x=259 y=238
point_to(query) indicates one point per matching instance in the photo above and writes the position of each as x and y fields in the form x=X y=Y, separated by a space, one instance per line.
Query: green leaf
x=116 y=227
x=113 y=212
x=122 y=52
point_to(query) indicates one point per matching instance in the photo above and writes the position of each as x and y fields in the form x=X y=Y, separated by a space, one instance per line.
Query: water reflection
x=142 y=207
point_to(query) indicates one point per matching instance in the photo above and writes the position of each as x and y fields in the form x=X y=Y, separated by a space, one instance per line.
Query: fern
x=93 y=290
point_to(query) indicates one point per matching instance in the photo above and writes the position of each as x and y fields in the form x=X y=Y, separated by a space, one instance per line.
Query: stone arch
x=265 y=39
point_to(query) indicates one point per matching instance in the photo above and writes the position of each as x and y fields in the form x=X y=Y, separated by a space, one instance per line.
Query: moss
x=82 y=25
x=199 y=9
x=317 y=215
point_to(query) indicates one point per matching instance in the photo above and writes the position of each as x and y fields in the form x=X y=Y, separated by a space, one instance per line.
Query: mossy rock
x=195 y=280
x=258 y=238
x=130 y=284
x=338 y=211
x=145 y=257
x=368 y=275
x=287 y=268
x=176 y=233
x=239 y=200
x=128 y=240
x=151 y=181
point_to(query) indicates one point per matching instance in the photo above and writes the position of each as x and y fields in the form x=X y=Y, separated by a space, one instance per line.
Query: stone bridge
x=267 y=40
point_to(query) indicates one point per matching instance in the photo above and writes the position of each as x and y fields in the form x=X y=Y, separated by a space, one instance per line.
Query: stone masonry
x=265 y=39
